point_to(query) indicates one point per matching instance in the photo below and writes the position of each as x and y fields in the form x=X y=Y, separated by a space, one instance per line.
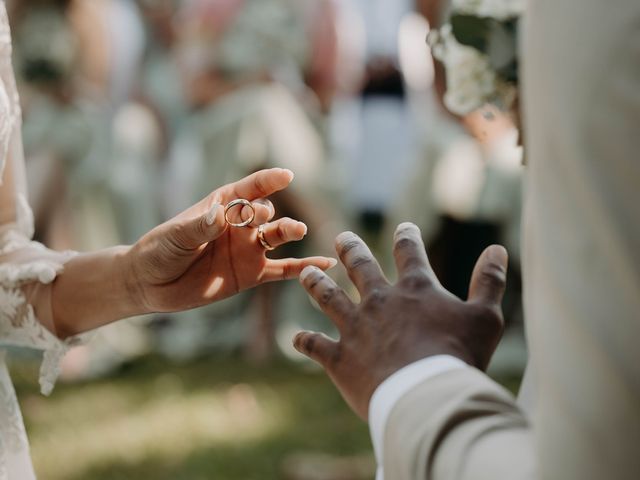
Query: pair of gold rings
x=241 y=202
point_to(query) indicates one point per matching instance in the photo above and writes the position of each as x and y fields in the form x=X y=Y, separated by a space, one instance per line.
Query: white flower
x=470 y=80
x=498 y=9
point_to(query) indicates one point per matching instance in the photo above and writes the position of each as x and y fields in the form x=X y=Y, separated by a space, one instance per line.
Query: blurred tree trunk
x=260 y=344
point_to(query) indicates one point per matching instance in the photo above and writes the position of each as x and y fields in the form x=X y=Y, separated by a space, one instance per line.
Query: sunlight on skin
x=216 y=285
x=171 y=427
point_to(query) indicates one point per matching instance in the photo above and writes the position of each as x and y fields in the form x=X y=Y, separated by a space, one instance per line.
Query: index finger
x=258 y=185
x=410 y=253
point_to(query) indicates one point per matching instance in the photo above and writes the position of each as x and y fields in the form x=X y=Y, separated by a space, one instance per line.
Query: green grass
x=213 y=419
x=217 y=418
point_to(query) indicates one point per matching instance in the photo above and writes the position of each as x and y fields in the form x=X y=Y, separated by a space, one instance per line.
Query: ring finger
x=282 y=231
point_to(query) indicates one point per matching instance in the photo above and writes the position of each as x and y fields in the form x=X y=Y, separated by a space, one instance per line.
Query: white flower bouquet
x=479 y=49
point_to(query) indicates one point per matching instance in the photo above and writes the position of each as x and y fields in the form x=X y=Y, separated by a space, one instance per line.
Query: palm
x=182 y=265
x=234 y=262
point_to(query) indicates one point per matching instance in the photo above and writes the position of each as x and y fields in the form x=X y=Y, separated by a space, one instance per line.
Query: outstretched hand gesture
x=196 y=258
x=397 y=324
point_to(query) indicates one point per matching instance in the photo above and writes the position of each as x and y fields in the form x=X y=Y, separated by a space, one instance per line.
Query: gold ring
x=263 y=240
x=244 y=203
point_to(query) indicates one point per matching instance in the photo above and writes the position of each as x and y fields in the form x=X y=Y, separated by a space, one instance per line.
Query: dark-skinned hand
x=397 y=324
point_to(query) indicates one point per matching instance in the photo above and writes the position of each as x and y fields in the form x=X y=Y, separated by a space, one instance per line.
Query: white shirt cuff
x=389 y=393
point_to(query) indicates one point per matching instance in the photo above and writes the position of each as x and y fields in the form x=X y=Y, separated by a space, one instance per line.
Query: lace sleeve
x=27 y=268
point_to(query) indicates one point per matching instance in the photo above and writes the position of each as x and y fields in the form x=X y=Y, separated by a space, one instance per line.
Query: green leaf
x=472 y=31
x=501 y=47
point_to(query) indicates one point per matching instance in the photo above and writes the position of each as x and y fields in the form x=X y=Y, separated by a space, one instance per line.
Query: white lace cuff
x=25 y=287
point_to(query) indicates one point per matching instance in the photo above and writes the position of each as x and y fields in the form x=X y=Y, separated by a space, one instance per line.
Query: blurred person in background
x=464 y=191
x=160 y=84
x=77 y=62
x=376 y=99
x=48 y=298
x=465 y=195
x=258 y=77
x=57 y=131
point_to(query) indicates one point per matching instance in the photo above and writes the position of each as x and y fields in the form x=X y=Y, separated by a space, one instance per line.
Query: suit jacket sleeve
x=459 y=425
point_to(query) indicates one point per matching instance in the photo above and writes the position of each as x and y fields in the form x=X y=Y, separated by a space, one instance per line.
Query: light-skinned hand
x=195 y=258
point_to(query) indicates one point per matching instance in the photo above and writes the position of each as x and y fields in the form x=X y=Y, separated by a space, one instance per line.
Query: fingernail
x=344 y=236
x=210 y=218
x=306 y=272
x=306 y=229
x=499 y=255
x=405 y=226
x=332 y=262
x=291 y=174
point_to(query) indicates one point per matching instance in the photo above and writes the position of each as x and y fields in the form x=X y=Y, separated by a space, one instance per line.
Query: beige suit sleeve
x=459 y=425
x=581 y=96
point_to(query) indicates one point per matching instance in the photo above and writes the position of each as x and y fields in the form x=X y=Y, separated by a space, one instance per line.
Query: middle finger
x=282 y=231
x=362 y=267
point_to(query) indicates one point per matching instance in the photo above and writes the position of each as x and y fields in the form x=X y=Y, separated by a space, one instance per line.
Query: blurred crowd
x=135 y=109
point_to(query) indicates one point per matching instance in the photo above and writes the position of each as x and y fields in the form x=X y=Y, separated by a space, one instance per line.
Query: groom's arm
x=411 y=356
x=454 y=425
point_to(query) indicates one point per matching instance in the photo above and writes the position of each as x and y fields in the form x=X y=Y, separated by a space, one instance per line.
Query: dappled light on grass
x=218 y=419
x=170 y=426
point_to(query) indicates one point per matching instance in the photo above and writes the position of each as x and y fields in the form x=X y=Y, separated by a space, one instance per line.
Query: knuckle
x=304 y=342
x=313 y=279
x=359 y=261
x=180 y=235
x=348 y=244
x=493 y=274
x=328 y=295
x=405 y=242
x=281 y=232
x=286 y=272
x=416 y=280
x=490 y=317
x=309 y=343
x=375 y=299
x=412 y=263
x=334 y=357
x=202 y=228
x=260 y=187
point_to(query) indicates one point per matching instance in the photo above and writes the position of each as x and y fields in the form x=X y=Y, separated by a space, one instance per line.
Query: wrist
x=93 y=290
x=129 y=281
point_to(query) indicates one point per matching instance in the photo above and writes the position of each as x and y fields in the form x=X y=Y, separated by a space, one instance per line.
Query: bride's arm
x=47 y=297
x=93 y=290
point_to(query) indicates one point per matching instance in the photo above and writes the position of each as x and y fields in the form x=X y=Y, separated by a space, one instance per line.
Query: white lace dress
x=27 y=270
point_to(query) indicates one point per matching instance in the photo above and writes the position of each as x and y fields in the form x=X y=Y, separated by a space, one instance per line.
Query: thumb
x=489 y=277
x=316 y=346
x=192 y=233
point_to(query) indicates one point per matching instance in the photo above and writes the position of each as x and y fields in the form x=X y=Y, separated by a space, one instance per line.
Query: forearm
x=94 y=289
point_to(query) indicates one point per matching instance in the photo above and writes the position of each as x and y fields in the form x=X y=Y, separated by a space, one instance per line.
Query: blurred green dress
x=259 y=124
